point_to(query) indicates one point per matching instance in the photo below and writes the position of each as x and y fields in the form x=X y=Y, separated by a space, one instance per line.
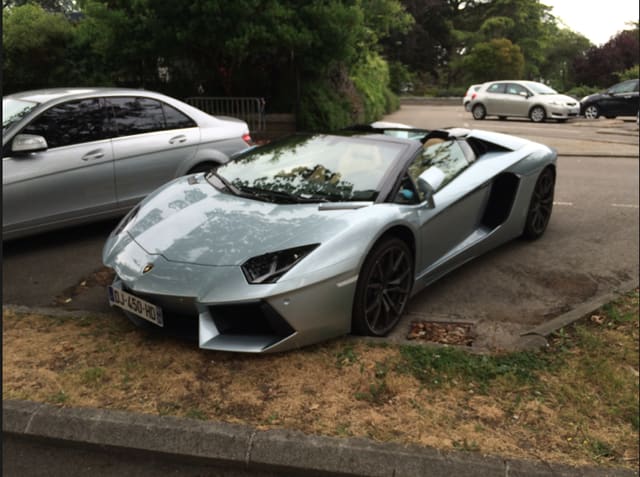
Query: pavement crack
x=247 y=455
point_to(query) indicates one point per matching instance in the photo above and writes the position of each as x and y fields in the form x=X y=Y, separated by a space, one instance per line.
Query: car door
x=455 y=214
x=516 y=100
x=621 y=99
x=72 y=178
x=153 y=139
x=496 y=99
x=629 y=98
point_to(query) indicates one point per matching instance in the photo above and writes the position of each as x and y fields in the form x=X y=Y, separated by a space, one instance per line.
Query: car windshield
x=539 y=88
x=13 y=110
x=316 y=168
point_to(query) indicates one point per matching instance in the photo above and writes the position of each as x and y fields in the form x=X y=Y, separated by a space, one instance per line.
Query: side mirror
x=28 y=143
x=428 y=182
x=524 y=94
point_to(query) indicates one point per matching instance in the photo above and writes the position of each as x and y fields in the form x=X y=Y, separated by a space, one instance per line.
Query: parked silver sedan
x=525 y=99
x=72 y=156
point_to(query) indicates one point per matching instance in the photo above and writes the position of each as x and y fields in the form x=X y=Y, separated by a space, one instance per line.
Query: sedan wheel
x=541 y=205
x=383 y=289
x=591 y=112
x=537 y=114
x=479 y=112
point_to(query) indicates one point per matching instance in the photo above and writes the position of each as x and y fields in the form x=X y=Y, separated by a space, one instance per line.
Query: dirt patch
x=102 y=277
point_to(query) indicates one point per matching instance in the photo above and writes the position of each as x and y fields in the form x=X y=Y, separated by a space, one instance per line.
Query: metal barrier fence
x=250 y=110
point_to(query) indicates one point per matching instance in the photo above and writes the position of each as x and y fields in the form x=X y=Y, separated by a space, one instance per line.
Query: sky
x=598 y=20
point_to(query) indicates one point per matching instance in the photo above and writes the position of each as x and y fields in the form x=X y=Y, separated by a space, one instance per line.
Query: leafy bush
x=322 y=107
x=581 y=91
x=630 y=73
x=371 y=79
x=342 y=99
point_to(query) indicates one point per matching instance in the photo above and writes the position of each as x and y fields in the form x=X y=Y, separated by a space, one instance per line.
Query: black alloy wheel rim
x=542 y=203
x=387 y=290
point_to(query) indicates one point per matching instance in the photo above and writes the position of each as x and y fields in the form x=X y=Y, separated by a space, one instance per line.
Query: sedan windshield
x=539 y=88
x=13 y=110
x=312 y=169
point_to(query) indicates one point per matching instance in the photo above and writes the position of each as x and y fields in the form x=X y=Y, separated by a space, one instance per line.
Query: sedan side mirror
x=524 y=94
x=28 y=143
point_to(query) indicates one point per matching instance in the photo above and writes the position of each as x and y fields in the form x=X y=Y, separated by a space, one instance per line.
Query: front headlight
x=268 y=268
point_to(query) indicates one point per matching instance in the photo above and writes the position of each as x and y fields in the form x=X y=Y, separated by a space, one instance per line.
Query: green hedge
x=362 y=95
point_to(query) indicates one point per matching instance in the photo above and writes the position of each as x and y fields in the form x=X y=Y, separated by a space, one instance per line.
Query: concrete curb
x=582 y=310
x=253 y=452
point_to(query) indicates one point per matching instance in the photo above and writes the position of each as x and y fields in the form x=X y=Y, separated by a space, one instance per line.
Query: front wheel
x=537 y=114
x=540 y=205
x=591 y=112
x=479 y=112
x=383 y=289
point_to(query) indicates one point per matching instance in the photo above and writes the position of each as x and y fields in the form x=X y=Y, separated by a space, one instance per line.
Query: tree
x=601 y=66
x=496 y=59
x=560 y=47
x=34 y=43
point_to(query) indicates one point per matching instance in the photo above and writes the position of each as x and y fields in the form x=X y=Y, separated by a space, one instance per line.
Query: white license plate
x=137 y=306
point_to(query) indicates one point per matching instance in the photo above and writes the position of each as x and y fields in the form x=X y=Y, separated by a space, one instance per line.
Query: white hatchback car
x=468 y=96
x=525 y=99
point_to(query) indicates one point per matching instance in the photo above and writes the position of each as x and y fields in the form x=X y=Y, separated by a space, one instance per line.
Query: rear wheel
x=591 y=112
x=541 y=205
x=383 y=288
x=479 y=112
x=537 y=114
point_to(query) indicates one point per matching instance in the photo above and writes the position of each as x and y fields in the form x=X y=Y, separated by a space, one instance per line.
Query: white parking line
x=626 y=206
x=563 y=203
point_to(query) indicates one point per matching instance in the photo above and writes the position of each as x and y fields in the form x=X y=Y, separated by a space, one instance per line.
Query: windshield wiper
x=278 y=195
x=226 y=184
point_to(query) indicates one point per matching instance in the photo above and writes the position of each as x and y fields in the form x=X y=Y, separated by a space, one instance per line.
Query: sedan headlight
x=269 y=267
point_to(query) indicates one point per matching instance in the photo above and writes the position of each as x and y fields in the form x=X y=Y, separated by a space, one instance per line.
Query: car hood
x=594 y=97
x=559 y=98
x=190 y=221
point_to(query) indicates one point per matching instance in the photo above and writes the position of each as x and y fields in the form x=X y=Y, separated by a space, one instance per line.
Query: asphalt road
x=590 y=248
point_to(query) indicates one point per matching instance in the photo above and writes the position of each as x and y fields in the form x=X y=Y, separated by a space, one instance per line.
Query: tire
x=541 y=205
x=537 y=114
x=204 y=167
x=384 y=287
x=591 y=112
x=479 y=112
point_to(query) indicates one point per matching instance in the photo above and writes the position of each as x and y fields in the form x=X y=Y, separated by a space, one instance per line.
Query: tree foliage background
x=332 y=62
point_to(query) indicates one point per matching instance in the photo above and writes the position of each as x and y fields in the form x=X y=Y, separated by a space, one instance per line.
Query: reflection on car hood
x=195 y=223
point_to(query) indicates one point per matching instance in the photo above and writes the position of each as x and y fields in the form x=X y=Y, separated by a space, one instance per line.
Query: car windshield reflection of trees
x=317 y=168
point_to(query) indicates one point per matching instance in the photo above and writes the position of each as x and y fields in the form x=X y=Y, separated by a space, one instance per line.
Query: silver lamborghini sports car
x=318 y=235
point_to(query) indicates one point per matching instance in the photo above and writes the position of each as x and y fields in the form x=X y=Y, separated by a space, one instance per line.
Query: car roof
x=53 y=94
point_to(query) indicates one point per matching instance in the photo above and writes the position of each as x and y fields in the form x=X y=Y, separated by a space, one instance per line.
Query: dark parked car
x=620 y=100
